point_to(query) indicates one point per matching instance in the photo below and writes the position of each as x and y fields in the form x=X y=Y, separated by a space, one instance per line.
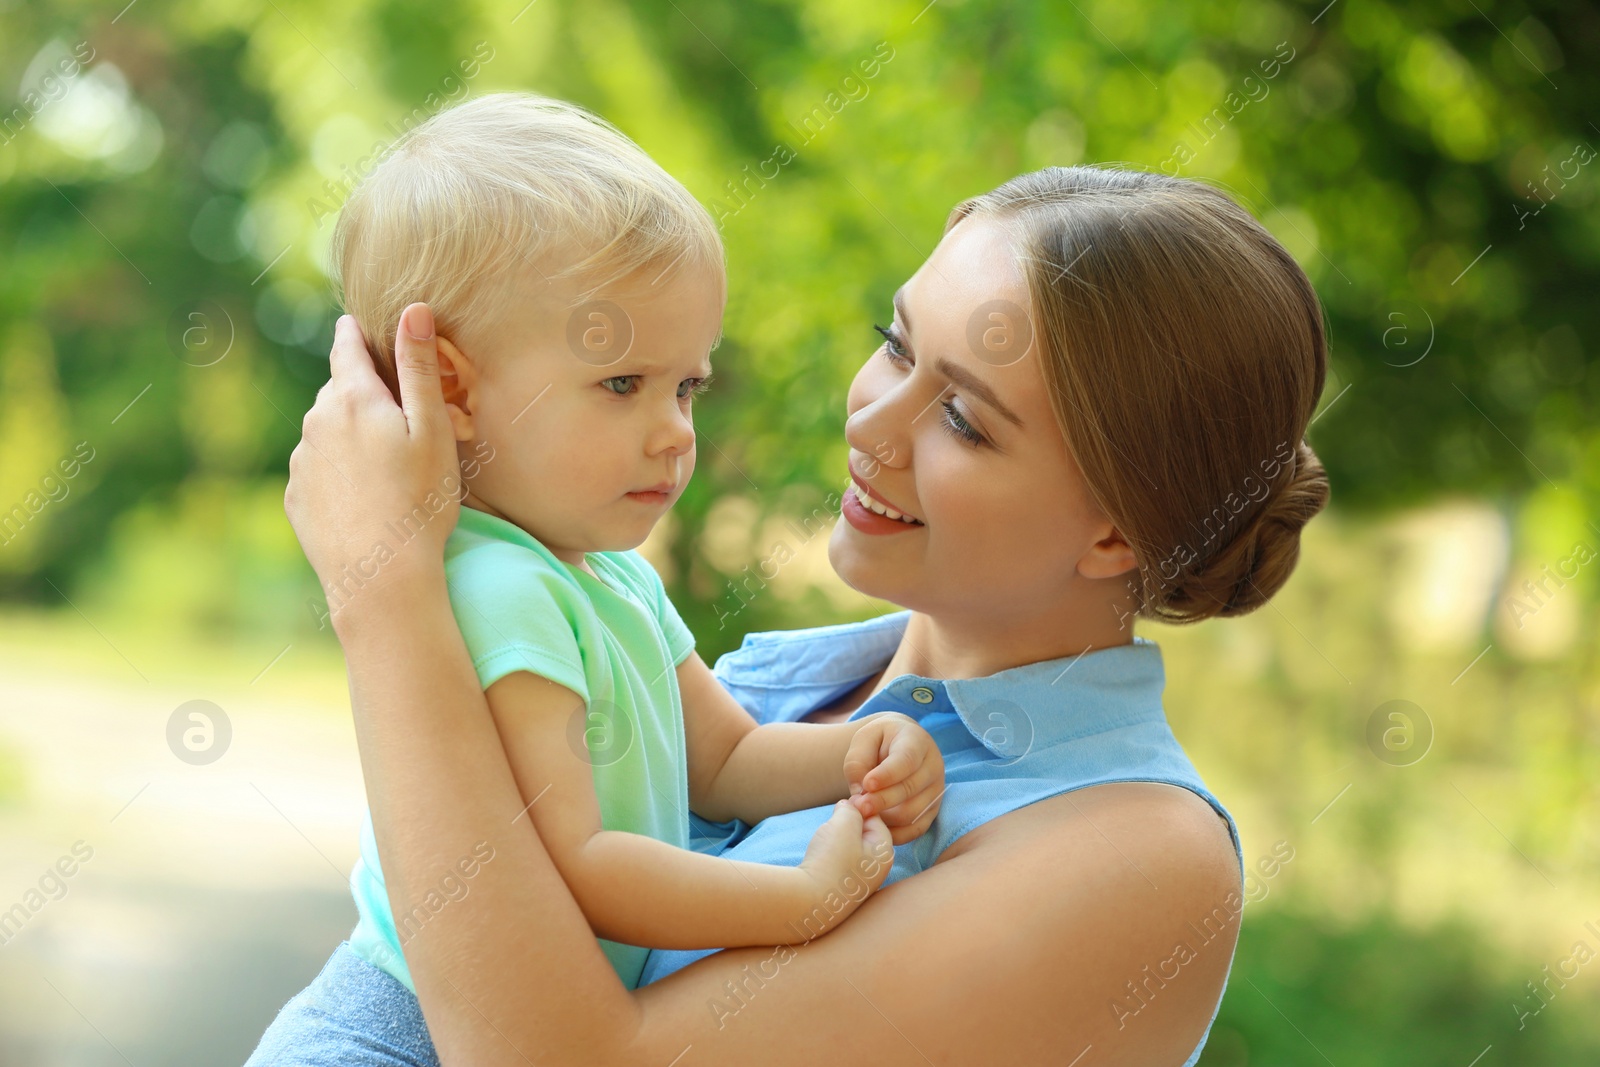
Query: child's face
x=569 y=416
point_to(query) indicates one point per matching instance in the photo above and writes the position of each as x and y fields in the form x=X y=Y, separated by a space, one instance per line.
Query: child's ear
x=458 y=381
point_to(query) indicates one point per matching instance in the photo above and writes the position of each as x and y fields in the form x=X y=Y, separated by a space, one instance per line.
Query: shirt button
x=922 y=695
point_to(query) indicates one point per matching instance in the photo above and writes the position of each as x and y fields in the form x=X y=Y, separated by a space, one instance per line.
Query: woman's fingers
x=416 y=356
x=349 y=362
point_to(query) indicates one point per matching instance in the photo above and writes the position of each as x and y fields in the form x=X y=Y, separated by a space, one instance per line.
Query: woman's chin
x=856 y=566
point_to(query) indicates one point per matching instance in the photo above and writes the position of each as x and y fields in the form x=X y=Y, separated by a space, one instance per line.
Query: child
x=577 y=291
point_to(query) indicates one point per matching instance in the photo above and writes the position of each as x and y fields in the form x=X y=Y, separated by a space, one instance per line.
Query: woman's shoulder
x=1136 y=882
x=1173 y=815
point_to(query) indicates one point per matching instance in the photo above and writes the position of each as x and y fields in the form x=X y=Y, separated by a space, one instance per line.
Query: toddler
x=577 y=291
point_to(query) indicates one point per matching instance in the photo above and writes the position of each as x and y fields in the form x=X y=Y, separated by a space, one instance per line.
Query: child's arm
x=637 y=890
x=740 y=769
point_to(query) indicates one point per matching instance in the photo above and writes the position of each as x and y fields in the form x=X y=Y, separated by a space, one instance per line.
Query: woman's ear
x=1108 y=557
x=458 y=381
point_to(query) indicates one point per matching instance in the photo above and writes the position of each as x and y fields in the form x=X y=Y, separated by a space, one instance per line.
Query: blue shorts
x=351 y=1015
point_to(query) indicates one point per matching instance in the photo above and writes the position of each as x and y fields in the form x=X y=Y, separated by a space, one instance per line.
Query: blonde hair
x=1183 y=351
x=498 y=188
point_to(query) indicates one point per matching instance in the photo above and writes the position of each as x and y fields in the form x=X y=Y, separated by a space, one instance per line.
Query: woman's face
x=950 y=424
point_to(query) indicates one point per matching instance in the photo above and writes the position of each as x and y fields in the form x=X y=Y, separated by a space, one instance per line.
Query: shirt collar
x=793 y=672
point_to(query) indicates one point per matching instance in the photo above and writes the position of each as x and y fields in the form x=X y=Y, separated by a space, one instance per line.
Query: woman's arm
x=1014 y=947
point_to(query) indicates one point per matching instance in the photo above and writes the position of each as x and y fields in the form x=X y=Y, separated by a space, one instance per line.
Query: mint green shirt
x=614 y=639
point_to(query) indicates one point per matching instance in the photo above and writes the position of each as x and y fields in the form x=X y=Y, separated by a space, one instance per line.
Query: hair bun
x=1245 y=572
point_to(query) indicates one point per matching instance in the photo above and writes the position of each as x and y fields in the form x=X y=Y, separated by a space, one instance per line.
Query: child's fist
x=896 y=771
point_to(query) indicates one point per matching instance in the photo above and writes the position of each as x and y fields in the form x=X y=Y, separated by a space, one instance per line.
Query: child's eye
x=629 y=379
x=693 y=387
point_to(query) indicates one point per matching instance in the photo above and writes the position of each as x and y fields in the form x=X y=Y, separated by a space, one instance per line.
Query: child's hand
x=896 y=771
x=848 y=859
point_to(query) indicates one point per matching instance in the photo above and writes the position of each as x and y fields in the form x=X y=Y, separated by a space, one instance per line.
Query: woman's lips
x=877 y=496
x=870 y=522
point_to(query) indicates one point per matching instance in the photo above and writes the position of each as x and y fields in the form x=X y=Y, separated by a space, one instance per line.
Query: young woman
x=1089 y=407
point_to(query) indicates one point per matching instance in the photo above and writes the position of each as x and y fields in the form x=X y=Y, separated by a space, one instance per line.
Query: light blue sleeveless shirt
x=1008 y=740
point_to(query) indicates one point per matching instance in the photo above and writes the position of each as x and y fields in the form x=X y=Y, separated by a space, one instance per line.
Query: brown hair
x=1184 y=353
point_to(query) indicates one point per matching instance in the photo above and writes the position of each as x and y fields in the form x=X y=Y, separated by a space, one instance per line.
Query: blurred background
x=1414 y=721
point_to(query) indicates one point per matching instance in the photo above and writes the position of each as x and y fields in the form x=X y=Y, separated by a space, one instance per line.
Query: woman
x=1090 y=407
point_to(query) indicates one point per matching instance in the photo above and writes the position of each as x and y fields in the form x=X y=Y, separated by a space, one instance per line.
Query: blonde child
x=577 y=292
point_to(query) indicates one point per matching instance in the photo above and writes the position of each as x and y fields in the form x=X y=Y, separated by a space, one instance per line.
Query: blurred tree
x=1429 y=164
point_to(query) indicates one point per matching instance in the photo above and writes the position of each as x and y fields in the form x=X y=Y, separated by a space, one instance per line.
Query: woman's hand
x=374 y=486
x=895 y=770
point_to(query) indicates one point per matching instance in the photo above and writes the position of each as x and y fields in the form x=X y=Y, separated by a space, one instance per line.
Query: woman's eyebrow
x=957 y=373
x=969 y=381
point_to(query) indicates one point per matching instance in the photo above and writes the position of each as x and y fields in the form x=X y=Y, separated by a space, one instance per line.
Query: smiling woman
x=1170 y=341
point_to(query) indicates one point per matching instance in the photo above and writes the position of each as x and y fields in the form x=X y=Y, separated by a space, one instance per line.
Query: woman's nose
x=880 y=431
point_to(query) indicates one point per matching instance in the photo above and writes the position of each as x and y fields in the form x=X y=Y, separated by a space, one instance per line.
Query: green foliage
x=1387 y=144
x=1306 y=989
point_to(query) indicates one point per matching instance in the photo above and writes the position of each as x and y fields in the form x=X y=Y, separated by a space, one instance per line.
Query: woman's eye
x=960 y=427
x=891 y=343
x=627 y=379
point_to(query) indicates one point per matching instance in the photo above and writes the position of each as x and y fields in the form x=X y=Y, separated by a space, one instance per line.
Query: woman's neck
x=935 y=647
